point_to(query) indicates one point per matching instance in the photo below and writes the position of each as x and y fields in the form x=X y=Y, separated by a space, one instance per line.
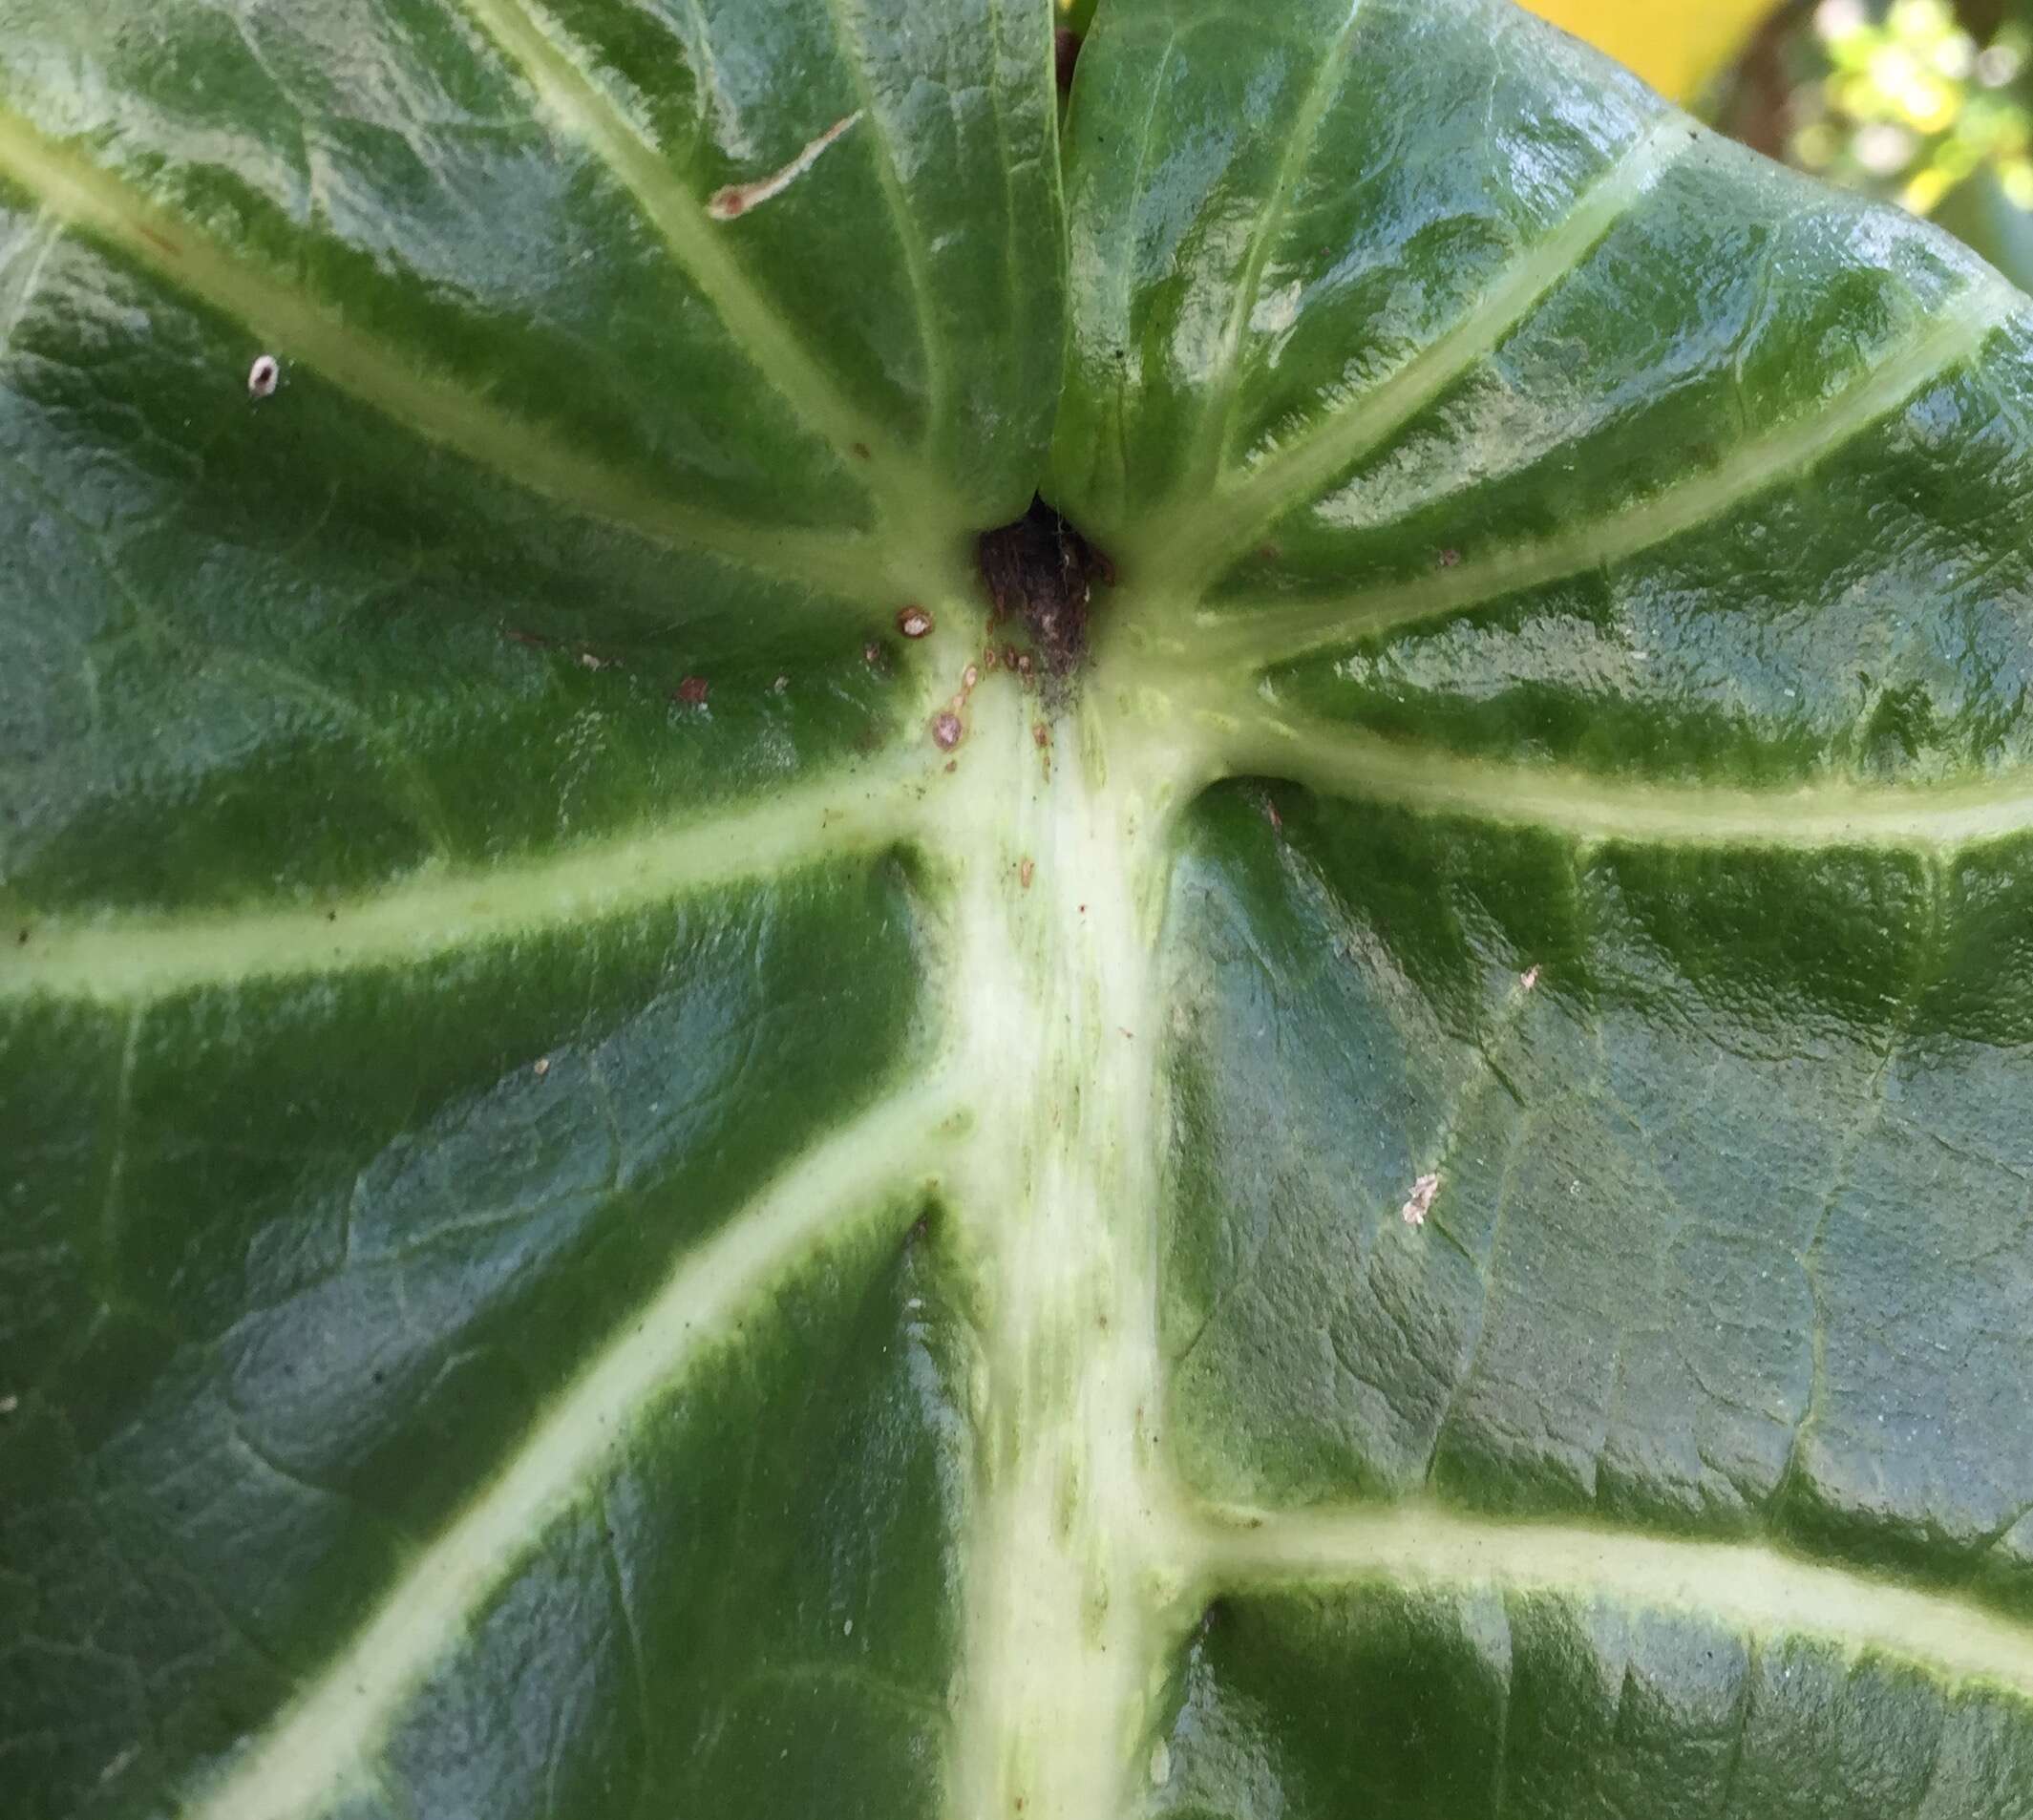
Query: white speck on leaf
x=1160 y=1764
x=263 y=376
x=540 y=1067
x=1528 y=979
x=737 y=198
x=1420 y=1202
x=9 y=1403
x=847 y=1629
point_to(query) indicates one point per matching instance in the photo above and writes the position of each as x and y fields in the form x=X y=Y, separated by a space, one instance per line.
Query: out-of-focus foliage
x=1913 y=102
x=1928 y=103
x=1677 y=45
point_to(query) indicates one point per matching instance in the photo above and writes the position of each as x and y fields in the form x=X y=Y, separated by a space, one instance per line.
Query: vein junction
x=1042 y=1130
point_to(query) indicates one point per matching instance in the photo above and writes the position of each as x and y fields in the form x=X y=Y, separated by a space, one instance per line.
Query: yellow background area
x=1676 y=45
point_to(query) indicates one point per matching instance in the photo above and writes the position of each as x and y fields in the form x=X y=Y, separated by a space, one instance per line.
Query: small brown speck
x=22 y=939
x=540 y=1067
x=990 y=659
x=1040 y=734
x=692 y=691
x=860 y=450
x=1009 y=655
x=872 y=654
x=946 y=731
x=1024 y=871
x=1448 y=558
x=516 y=636
x=1268 y=552
x=952 y=764
x=913 y=622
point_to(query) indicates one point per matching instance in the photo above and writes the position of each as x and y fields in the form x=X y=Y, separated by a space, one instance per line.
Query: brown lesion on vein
x=93 y=202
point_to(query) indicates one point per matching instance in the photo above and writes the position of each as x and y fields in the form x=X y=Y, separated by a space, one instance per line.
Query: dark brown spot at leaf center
x=1042 y=572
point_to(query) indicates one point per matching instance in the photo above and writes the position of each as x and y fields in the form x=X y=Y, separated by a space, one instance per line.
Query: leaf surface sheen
x=629 y=1192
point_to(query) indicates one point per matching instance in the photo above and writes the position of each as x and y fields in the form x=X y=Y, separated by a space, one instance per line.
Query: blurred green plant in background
x=1910 y=103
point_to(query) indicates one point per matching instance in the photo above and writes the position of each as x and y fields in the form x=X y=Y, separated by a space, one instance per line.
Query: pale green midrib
x=882 y=1163
x=1236 y=517
x=1788 y=452
x=299 y=332
x=1341 y=762
x=1749 y=1586
x=125 y=960
x=698 y=244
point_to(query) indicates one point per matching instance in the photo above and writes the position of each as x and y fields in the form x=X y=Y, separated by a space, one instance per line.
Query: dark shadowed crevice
x=1041 y=573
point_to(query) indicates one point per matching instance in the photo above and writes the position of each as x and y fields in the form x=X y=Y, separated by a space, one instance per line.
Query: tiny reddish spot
x=1268 y=552
x=1040 y=733
x=913 y=622
x=1448 y=558
x=990 y=659
x=1025 y=870
x=946 y=731
x=1271 y=815
x=1009 y=656
x=691 y=691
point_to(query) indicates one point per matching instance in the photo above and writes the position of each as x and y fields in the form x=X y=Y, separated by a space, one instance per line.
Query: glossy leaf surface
x=650 y=1173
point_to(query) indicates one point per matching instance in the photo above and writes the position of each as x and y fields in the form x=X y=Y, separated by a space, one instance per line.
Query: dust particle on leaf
x=1419 y=1202
x=913 y=622
x=263 y=376
x=540 y=1067
x=1528 y=979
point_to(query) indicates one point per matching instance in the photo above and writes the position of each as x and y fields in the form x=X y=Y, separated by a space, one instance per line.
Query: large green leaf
x=1407 y=1190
